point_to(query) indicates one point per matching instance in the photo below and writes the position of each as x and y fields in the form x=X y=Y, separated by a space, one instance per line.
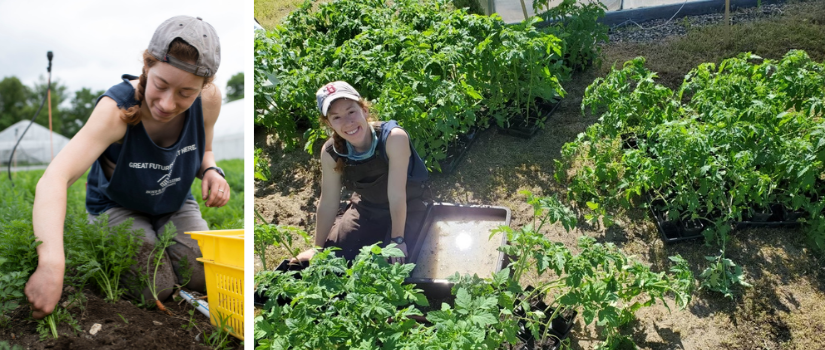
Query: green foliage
x=234 y=88
x=102 y=253
x=11 y=293
x=261 y=166
x=471 y=6
x=722 y=274
x=231 y=215
x=5 y=346
x=367 y=306
x=156 y=258
x=48 y=325
x=600 y=281
x=219 y=339
x=432 y=69
x=577 y=25
x=338 y=306
x=276 y=235
x=81 y=105
x=733 y=140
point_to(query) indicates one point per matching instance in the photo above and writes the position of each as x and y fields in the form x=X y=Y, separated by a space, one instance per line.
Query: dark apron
x=366 y=219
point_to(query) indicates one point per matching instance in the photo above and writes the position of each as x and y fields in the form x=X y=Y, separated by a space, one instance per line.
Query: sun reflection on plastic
x=463 y=241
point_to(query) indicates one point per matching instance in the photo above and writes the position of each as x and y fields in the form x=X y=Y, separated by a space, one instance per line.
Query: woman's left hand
x=400 y=260
x=215 y=189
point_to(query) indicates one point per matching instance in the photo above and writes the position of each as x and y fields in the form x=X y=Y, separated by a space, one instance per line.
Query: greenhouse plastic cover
x=511 y=12
x=35 y=146
x=227 y=140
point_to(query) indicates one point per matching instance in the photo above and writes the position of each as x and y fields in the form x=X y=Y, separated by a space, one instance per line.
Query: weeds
x=48 y=325
x=219 y=339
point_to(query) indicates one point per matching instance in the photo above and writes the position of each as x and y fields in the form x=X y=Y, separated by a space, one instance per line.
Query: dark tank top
x=368 y=178
x=147 y=178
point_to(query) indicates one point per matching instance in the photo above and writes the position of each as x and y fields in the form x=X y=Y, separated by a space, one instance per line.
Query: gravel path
x=662 y=28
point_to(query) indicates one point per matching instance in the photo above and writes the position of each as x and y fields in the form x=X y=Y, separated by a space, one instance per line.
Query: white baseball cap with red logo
x=333 y=91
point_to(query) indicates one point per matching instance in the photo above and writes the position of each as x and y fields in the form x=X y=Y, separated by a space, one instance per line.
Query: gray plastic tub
x=456 y=238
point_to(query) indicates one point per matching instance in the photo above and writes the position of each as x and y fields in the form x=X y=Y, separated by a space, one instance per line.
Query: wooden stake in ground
x=51 y=145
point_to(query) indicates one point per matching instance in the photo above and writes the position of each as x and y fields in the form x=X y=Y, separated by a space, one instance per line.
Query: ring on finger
x=220 y=191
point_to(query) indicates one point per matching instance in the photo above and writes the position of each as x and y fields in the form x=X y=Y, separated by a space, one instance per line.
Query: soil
x=124 y=326
x=785 y=308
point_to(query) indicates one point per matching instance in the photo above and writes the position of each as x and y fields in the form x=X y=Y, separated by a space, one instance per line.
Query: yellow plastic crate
x=223 y=265
x=222 y=246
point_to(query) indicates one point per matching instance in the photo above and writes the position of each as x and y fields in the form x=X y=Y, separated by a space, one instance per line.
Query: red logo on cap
x=330 y=89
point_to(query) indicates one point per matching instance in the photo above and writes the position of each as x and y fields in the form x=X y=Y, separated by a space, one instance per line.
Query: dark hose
x=49 y=55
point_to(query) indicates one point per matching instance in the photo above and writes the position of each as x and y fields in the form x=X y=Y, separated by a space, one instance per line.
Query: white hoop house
x=35 y=148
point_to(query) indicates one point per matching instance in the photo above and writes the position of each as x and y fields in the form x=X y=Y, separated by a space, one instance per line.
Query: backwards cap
x=194 y=31
x=333 y=91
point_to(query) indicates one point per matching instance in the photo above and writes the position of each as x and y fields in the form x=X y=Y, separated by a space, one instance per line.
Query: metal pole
x=523 y=9
x=727 y=12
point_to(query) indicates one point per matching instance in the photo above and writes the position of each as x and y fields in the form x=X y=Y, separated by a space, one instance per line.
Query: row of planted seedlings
x=97 y=256
x=738 y=142
x=441 y=73
x=368 y=305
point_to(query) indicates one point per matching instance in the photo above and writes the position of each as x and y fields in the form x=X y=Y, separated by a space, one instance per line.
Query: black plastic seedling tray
x=779 y=217
x=457 y=150
x=528 y=131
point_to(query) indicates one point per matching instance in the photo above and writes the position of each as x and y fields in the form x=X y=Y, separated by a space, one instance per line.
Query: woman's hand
x=400 y=260
x=215 y=189
x=44 y=288
x=303 y=257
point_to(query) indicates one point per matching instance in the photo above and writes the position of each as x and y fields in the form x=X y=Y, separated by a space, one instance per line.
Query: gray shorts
x=187 y=219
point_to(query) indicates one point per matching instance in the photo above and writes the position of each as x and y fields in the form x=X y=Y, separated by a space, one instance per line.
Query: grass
x=231 y=215
x=784 y=310
x=801 y=27
x=270 y=13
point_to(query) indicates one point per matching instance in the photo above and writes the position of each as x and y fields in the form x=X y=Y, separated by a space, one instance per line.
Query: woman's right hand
x=44 y=288
x=303 y=257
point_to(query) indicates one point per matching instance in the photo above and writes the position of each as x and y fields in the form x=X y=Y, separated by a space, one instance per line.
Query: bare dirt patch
x=123 y=326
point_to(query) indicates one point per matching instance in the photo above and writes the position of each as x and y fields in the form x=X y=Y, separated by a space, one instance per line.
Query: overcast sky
x=95 y=42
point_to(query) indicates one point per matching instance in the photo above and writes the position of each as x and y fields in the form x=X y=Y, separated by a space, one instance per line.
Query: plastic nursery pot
x=560 y=326
x=260 y=300
x=519 y=127
x=793 y=215
x=771 y=213
x=457 y=150
x=669 y=229
x=629 y=141
x=692 y=228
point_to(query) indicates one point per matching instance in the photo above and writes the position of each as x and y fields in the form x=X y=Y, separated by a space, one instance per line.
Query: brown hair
x=337 y=141
x=180 y=50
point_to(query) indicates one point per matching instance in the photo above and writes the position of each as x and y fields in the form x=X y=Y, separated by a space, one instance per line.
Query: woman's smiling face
x=170 y=91
x=348 y=119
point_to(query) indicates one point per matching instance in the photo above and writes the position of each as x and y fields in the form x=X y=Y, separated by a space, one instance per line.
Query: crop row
x=97 y=255
x=438 y=72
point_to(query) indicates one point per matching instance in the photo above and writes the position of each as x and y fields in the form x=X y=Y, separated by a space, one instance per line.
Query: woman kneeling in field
x=375 y=160
x=146 y=141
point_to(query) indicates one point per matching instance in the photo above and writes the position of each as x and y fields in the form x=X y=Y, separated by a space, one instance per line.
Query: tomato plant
x=438 y=72
x=366 y=305
x=735 y=140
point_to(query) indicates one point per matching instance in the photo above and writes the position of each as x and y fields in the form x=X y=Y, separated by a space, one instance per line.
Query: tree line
x=70 y=110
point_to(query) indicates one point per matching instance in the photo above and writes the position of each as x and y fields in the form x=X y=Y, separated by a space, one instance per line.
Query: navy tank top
x=416 y=170
x=147 y=178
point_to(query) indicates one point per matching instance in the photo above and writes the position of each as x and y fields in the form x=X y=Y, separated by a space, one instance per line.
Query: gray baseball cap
x=194 y=31
x=333 y=91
